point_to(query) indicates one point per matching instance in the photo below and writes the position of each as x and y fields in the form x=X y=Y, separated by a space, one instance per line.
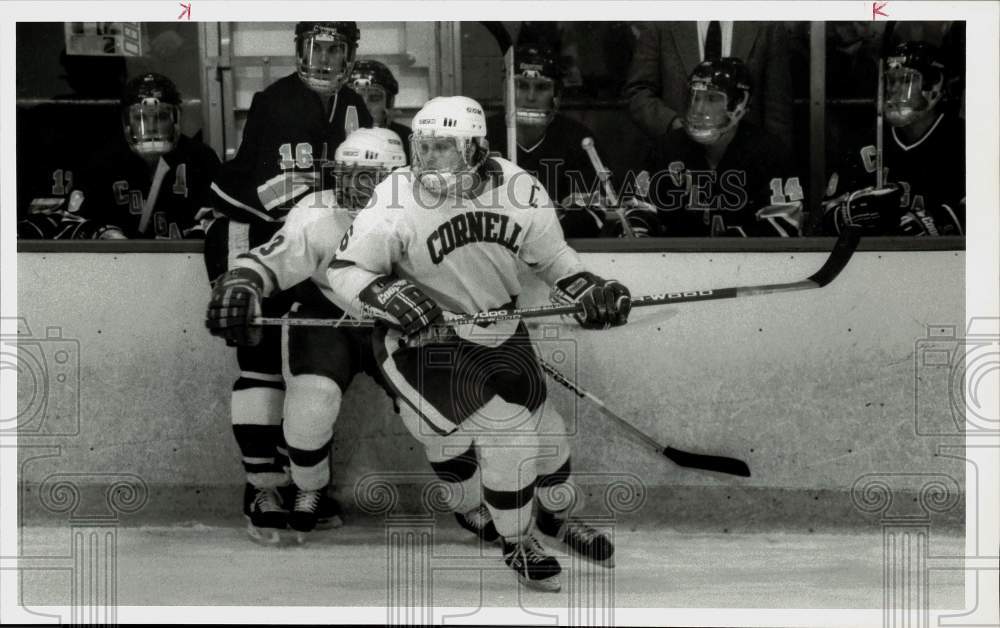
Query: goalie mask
x=914 y=83
x=448 y=144
x=376 y=84
x=537 y=84
x=325 y=53
x=151 y=115
x=718 y=95
x=361 y=162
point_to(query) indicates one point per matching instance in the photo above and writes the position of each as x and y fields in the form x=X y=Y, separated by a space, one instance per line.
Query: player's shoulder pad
x=317 y=208
x=392 y=191
x=523 y=190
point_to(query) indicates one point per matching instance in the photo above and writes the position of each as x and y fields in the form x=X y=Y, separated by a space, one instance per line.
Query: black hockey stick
x=846 y=244
x=720 y=464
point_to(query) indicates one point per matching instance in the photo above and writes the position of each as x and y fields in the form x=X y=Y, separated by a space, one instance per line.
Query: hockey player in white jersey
x=318 y=363
x=449 y=235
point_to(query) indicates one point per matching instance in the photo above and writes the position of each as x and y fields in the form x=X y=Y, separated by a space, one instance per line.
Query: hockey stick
x=880 y=105
x=499 y=32
x=720 y=464
x=605 y=176
x=838 y=259
x=841 y=254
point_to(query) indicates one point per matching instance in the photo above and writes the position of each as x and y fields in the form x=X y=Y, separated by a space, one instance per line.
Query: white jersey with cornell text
x=465 y=253
x=303 y=248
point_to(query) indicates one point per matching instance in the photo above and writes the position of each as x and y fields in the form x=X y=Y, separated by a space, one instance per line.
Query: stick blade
x=846 y=244
x=720 y=464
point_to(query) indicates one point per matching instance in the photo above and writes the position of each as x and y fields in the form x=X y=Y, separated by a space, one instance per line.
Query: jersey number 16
x=303 y=157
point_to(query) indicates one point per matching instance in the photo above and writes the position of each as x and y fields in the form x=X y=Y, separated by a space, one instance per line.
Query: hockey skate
x=266 y=518
x=479 y=522
x=582 y=539
x=328 y=514
x=534 y=568
x=305 y=513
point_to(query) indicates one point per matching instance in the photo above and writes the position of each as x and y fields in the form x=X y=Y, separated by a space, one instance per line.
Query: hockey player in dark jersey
x=549 y=143
x=923 y=161
x=319 y=362
x=151 y=182
x=291 y=134
x=376 y=84
x=718 y=175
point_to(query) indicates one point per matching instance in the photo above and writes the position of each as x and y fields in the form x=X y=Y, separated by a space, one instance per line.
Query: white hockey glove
x=400 y=305
x=606 y=303
x=235 y=302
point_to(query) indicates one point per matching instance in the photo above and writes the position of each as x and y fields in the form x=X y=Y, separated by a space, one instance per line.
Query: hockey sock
x=555 y=498
x=256 y=416
x=511 y=510
x=461 y=474
x=312 y=403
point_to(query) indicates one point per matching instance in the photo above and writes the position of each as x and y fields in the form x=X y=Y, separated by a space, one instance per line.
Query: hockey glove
x=235 y=302
x=400 y=305
x=606 y=303
x=876 y=212
x=642 y=218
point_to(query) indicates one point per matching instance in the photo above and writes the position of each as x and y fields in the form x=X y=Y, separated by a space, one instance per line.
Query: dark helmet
x=537 y=60
x=312 y=40
x=728 y=75
x=914 y=82
x=921 y=57
x=151 y=115
x=718 y=95
x=150 y=85
x=348 y=30
x=375 y=73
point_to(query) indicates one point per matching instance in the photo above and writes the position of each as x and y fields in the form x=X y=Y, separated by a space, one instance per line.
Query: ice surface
x=655 y=567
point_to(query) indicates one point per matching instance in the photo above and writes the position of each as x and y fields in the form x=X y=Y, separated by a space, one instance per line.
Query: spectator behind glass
x=719 y=174
x=667 y=52
x=549 y=144
x=148 y=182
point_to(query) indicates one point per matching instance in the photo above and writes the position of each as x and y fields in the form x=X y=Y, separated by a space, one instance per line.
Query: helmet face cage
x=151 y=126
x=907 y=97
x=709 y=114
x=325 y=58
x=376 y=98
x=440 y=160
x=536 y=99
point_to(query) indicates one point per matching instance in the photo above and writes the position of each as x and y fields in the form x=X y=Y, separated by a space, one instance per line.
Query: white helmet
x=455 y=121
x=362 y=161
x=371 y=148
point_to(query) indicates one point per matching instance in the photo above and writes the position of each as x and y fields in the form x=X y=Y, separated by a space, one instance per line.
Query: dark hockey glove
x=235 y=302
x=606 y=303
x=873 y=211
x=642 y=218
x=400 y=305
